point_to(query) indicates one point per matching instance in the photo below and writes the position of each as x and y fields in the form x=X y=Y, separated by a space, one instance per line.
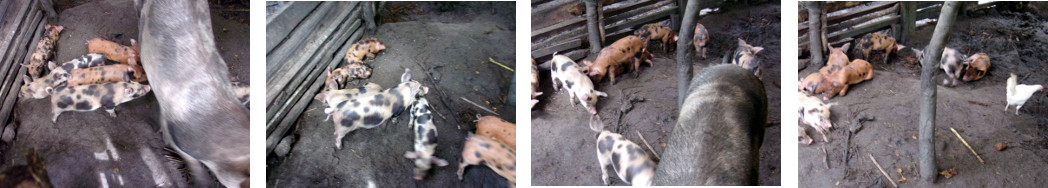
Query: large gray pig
x=718 y=132
x=201 y=116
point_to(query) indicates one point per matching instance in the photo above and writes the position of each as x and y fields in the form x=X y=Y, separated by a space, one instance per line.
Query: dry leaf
x=949 y=173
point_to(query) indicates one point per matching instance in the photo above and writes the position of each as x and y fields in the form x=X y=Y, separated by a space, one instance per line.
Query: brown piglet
x=857 y=71
x=610 y=57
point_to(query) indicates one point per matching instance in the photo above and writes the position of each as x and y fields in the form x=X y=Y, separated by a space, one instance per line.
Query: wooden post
x=369 y=15
x=908 y=11
x=815 y=31
x=592 y=26
x=930 y=61
x=687 y=29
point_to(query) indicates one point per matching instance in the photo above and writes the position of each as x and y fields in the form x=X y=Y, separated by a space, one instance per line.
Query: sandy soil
x=130 y=139
x=559 y=127
x=455 y=45
x=1014 y=42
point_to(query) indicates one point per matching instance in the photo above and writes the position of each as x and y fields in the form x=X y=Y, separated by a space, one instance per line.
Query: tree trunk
x=687 y=29
x=592 y=26
x=815 y=31
x=930 y=61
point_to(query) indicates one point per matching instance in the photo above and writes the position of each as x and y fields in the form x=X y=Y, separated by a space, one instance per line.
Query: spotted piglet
x=497 y=156
x=626 y=158
x=100 y=75
x=336 y=99
x=45 y=49
x=425 y=139
x=370 y=111
x=498 y=129
x=567 y=74
x=42 y=87
x=746 y=56
x=243 y=92
x=92 y=97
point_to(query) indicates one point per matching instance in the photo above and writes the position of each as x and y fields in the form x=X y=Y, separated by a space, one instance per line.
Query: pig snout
x=697 y=152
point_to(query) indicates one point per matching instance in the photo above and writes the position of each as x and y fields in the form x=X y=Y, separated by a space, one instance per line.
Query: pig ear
x=600 y=93
x=51 y=65
x=406 y=76
x=410 y=155
x=596 y=124
x=440 y=162
x=899 y=47
x=757 y=49
x=845 y=46
x=742 y=42
x=321 y=96
x=26 y=79
x=49 y=90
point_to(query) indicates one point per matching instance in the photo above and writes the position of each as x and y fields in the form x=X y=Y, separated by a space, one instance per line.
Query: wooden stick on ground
x=649 y=145
x=882 y=170
x=966 y=144
x=479 y=106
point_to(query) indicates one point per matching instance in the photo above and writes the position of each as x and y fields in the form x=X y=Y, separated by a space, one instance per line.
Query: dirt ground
x=1014 y=42
x=557 y=126
x=455 y=46
x=128 y=150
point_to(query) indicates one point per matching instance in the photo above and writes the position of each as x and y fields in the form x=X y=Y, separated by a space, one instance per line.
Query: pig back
x=201 y=114
x=718 y=132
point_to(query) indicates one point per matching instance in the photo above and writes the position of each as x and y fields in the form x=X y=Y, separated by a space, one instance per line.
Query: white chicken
x=1018 y=94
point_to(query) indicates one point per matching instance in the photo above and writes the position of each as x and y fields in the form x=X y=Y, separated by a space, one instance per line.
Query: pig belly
x=200 y=113
x=719 y=131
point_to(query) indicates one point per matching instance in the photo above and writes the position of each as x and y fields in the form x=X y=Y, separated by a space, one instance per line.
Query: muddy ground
x=1015 y=42
x=455 y=46
x=563 y=145
x=91 y=149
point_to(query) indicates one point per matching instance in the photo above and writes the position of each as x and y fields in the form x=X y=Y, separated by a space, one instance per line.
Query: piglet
x=975 y=67
x=836 y=61
x=626 y=158
x=950 y=62
x=243 y=92
x=497 y=129
x=816 y=114
x=100 y=75
x=365 y=48
x=610 y=57
x=45 y=49
x=369 y=111
x=42 y=87
x=657 y=31
x=354 y=70
x=567 y=74
x=701 y=37
x=814 y=83
x=878 y=42
x=497 y=156
x=425 y=139
x=92 y=97
x=746 y=56
x=115 y=51
x=857 y=71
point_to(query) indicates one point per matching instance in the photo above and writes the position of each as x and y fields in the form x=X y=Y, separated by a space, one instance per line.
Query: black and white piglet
x=42 y=87
x=425 y=139
x=371 y=110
